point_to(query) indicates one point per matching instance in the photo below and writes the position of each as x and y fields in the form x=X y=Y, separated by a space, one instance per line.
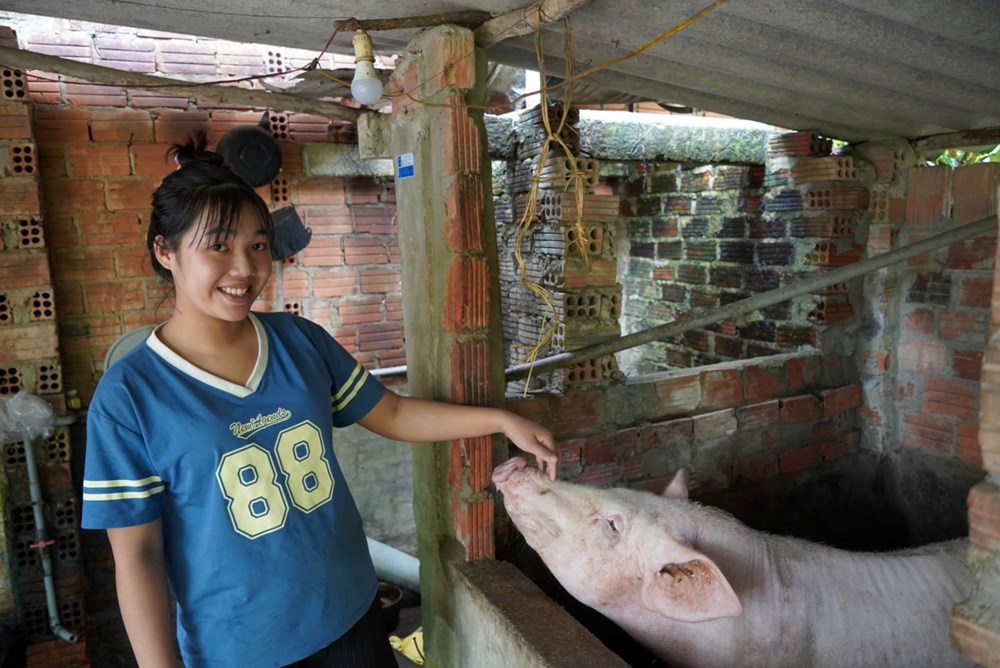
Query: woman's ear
x=162 y=253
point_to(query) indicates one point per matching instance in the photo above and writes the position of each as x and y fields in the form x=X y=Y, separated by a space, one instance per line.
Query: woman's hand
x=534 y=439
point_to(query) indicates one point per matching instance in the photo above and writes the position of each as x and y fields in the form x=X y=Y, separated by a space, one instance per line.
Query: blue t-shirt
x=265 y=549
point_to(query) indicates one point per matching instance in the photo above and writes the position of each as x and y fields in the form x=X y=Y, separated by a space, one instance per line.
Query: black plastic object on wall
x=252 y=152
x=290 y=235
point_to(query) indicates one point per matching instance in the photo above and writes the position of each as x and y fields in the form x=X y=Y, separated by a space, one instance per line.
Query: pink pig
x=701 y=590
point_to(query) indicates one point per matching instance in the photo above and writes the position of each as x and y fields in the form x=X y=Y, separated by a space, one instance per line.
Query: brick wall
x=703 y=236
x=30 y=361
x=945 y=316
x=974 y=631
x=731 y=423
x=78 y=164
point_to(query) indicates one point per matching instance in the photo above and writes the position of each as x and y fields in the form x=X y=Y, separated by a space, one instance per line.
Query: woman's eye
x=260 y=246
x=218 y=247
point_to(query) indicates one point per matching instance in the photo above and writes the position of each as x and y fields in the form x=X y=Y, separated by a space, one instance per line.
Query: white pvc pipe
x=395 y=566
x=41 y=544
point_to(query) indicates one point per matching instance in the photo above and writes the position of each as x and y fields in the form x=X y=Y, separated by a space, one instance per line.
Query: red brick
x=374 y=220
x=81 y=93
x=843 y=445
x=608 y=447
x=308 y=128
x=83 y=263
x=361 y=310
x=975 y=291
x=97 y=228
x=99 y=160
x=950 y=398
x=320 y=191
x=800 y=409
x=967 y=444
x=764 y=380
x=758 y=416
x=52 y=160
x=600 y=474
x=678 y=395
x=920 y=321
x=669 y=434
x=841 y=399
x=54 y=124
x=103 y=297
x=130 y=193
x=29 y=342
x=323 y=253
x=975 y=253
x=974 y=192
x=984 y=516
x=800 y=459
x=379 y=336
x=126 y=125
x=328 y=220
x=15 y=122
x=132 y=261
x=928 y=200
x=719 y=424
x=967 y=364
x=576 y=412
x=364 y=250
x=930 y=357
x=19 y=196
x=466 y=306
x=151 y=160
x=174 y=127
x=965 y=326
x=928 y=433
x=336 y=283
x=142 y=99
x=721 y=388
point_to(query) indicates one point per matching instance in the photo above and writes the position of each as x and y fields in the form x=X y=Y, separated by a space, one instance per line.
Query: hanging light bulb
x=366 y=86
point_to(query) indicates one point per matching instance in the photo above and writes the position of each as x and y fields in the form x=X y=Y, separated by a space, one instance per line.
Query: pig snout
x=503 y=472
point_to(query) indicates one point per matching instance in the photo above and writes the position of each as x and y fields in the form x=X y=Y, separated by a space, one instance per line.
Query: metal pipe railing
x=754 y=303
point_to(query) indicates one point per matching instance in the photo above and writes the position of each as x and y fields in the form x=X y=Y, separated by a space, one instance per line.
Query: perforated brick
x=14 y=84
x=280 y=192
x=21 y=159
x=49 y=379
x=6 y=310
x=278 y=125
x=42 y=306
x=30 y=233
x=10 y=381
x=57 y=446
x=294 y=308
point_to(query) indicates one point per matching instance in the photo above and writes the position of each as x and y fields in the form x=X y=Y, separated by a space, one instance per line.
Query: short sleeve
x=120 y=487
x=354 y=391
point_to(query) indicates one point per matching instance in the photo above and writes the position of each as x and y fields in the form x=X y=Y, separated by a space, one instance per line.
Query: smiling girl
x=209 y=456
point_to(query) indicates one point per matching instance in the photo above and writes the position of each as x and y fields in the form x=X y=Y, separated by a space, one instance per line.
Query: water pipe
x=42 y=543
x=395 y=566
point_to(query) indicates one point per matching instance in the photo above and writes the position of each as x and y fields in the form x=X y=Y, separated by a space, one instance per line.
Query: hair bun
x=194 y=150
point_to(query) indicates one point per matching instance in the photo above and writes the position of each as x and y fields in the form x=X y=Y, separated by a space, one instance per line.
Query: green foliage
x=955 y=157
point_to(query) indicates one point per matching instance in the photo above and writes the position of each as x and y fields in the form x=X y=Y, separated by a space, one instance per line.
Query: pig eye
x=612 y=525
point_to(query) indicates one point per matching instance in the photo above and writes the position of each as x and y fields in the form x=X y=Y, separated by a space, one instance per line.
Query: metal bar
x=744 y=306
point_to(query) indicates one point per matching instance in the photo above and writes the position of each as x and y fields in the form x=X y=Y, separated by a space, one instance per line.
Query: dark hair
x=202 y=184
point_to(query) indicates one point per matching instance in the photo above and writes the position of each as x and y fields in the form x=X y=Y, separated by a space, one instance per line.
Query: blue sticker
x=404 y=165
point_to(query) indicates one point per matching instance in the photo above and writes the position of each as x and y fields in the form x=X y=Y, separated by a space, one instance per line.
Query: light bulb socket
x=362 y=47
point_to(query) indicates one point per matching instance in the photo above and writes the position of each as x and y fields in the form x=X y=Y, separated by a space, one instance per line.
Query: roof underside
x=850 y=69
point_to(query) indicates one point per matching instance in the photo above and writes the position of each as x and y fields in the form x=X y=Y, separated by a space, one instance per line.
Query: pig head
x=699 y=589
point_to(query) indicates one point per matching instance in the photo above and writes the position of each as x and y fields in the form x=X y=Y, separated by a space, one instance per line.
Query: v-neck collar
x=182 y=365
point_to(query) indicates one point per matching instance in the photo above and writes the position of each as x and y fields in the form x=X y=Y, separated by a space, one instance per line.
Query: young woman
x=209 y=457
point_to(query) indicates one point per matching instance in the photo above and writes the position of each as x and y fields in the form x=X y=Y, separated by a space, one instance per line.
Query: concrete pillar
x=450 y=300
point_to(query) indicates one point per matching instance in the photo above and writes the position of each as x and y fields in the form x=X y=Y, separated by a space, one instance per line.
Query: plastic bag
x=25 y=414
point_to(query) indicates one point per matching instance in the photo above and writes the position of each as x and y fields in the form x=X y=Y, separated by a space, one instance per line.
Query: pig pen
x=777 y=442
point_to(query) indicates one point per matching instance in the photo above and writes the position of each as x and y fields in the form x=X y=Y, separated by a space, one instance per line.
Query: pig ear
x=690 y=591
x=678 y=487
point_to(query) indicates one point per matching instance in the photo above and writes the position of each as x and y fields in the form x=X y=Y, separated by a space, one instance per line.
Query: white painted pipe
x=395 y=566
x=41 y=544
